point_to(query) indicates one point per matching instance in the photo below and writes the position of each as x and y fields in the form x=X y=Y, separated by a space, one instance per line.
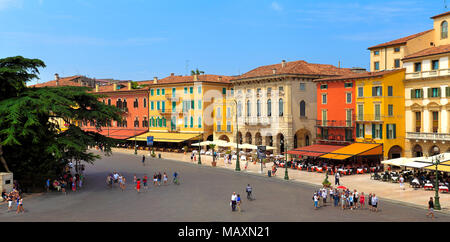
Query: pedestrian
x=63 y=187
x=401 y=180
x=238 y=202
x=248 y=189
x=336 y=199
x=355 y=198
x=165 y=178
x=74 y=186
x=233 y=202
x=155 y=179
x=246 y=164
x=80 y=182
x=20 y=205
x=10 y=199
x=47 y=185
x=316 y=200
x=430 y=208
x=144 y=180
x=192 y=156
x=324 y=196
x=319 y=195
x=375 y=202
x=350 y=201
x=159 y=178
x=369 y=201
x=331 y=194
x=135 y=179
x=361 y=200
x=336 y=178
x=138 y=185
x=123 y=183
x=143 y=160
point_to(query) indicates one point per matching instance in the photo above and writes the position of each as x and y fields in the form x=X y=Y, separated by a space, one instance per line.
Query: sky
x=141 y=39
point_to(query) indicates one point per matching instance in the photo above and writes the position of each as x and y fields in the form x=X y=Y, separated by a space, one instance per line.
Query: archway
x=239 y=138
x=395 y=152
x=269 y=140
x=210 y=138
x=434 y=150
x=417 y=151
x=224 y=137
x=302 y=138
x=258 y=139
x=248 y=138
x=281 y=143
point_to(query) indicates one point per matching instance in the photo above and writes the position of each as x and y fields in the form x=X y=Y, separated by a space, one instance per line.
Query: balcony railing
x=428 y=136
x=431 y=73
x=334 y=138
x=335 y=123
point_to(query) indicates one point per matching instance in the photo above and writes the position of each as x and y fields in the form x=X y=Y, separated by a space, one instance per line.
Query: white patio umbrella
x=248 y=146
x=202 y=143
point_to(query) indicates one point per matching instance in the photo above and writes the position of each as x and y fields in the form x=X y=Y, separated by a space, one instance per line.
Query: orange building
x=336 y=110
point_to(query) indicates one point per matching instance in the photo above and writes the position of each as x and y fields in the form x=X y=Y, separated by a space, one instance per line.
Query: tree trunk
x=2 y=159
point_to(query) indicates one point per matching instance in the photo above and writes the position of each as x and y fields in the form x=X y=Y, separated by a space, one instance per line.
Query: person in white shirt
x=233 y=201
x=375 y=203
x=355 y=198
x=401 y=180
x=324 y=195
x=316 y=200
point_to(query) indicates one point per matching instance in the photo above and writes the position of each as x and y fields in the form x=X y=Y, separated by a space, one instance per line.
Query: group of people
x=66 y=180
x=158 y=179
x=345 y=199
x=116 y=178
x=11 y=197
x=236 y=199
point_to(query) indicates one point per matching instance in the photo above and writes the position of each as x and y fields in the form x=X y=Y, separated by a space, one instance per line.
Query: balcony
x=428 y=136
x=328 y=139
x=262 y=121
x=425 y=74
x=335 y=123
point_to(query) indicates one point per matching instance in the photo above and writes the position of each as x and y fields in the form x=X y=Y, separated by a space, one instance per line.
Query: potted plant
x=153 y=153
x=213 y=163
x=185 y=148
x=325 y=182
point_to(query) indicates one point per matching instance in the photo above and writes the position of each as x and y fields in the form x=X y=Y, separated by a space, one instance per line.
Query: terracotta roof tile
x=359 y=75
x=296 y=67
x=429 y=51
x=65 y=81
x=439 y=15
x=186 y=79
x=400 y=41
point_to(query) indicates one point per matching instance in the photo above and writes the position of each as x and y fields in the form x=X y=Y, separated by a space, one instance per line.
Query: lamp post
x=437 y=161
x=286 y=176
x=135 y=148
x=238 y=165
x=199 y=154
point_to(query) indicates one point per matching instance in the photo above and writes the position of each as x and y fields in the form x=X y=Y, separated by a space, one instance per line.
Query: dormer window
x=444 y=30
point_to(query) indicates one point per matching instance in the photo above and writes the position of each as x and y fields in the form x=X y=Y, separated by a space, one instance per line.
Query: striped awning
x=314 y=150
x=360 y=149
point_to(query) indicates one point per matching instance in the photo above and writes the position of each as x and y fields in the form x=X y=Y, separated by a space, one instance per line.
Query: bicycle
x=176 y=181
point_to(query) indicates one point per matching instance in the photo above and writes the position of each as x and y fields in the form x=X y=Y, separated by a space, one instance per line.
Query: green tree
x=31 y=144
x=197 y=72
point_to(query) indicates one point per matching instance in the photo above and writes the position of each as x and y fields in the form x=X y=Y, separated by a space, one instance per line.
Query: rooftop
x=399 y=41
x=359 y=75
x=429 y=51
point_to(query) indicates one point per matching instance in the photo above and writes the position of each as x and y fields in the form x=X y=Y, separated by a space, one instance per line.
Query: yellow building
x=380 y=108
x=181 y=108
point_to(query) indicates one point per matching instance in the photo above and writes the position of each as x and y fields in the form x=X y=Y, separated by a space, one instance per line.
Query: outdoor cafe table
x=372 y=169
x=360 y=171
x=428 y=186
x=343 y=171
x=443 y=189
x=319 y=169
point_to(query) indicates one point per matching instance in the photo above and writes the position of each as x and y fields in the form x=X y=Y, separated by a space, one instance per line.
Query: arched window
x=125 y=103
x=119 y=103
x=444 y=30
x=136 y=122
x=248 y=108
x=239 y=107
x=258 y=108
x=302 y=109
x=269 y=107
x=280 y=107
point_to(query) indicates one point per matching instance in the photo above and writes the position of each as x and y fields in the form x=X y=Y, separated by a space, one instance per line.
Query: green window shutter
x=430 y=93
x=192 y=122
x=439 y=92
x=199 y=106
x=373 y=131
x=151 y=92
x=413 y=93
x=199 y=122
x=163 y=91
x=192 y=104
x=165 y=122
x=191 y=90
x=152 y=105
x=224 y=91
x=447 y=91
x=357 y=130
x=185 y=122
x=395 y=135
x=381 y=131
x=185 y=90
x=373 y=92
x=364 y=131
x=163 y=103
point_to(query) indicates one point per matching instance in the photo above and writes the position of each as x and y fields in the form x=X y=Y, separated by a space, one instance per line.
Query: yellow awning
x=354 y=149
x=166 y=137
x=444 y=166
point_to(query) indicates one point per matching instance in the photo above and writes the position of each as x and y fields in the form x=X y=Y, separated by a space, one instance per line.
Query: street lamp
x=286 y=176
x=437 y=160
x=199 y=154
x=135 y=148
x=238 y=166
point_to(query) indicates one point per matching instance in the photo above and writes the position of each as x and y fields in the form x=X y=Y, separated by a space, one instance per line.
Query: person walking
x=165 y=178
x=135 y=179
x=175 y=178
x=431 y=208
x=324 y=196
x=361 y=200
x=47 y=184
x=123 y=182
x=336 y=178
x=401 y=180
x=233 y=202
x=316 y=201
x=138 y=185
x=20 y=205
x=10 y=199
x=375 y=202
x=143 y=160
x=336 y=199
x=159 y=178
x=144 y=180
x=238 y=202
x=248 y=189
x=355 y=198
x=155 y=179
x=369 y=202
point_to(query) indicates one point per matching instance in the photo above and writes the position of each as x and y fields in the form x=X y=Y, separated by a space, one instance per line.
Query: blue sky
x=139 y=39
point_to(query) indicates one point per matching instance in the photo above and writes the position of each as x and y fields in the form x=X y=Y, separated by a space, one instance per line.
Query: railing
x=428 y=136
x=335 y=123
x=334 y=138
x=430 y=73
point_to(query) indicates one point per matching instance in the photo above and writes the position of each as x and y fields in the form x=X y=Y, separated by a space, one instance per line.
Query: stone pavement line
x=362 y=183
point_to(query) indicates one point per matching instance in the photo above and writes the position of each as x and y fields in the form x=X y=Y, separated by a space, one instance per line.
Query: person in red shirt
x=138 y=185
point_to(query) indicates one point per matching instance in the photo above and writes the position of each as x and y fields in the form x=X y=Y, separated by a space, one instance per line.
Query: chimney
x=172 y=74
x=114 y=87
x=283 y=63
x=96 y=87
x=274 y=70
x=155 y=80
x=129 y=85
x=339 y=64
x=195 y=77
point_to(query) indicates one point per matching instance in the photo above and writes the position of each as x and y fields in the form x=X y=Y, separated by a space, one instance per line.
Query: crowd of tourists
x=345 y=199
x=14 y=197
x=67 y=181
x=158 y=180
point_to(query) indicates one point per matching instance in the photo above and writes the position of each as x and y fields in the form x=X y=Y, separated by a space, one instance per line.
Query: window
x=269 y=91
x=397 y=63
x=232 y=91
x=376 y=131
x=218 y=113
x=360 y=130
x=376 y=65
x=360 y=91
x=136 y=103
x=444 y=30
x=136 y=122
x=185 y=90
x=377 y=91
x=280 y=107
x=109 y=101
x=376 y=52
x=199 y=90
x=324 y=98
x=348 y=84
x=152 y=105
x=174 y=91
x=199 y=122
x=152 y=92
x=228 y=126
x=239 y=109
x=377 y=111
x=174 y=107
x=269 y=107
x=302 y=108
x=397 y=49
x=281 y=90
x=302 y=86
x=158 y=107
x=323 y=86
x=145 y=122
x=324 y=117
x=185 y=122
x=157 y=92
x=248 y=108
x=360 y=112
x=258 y=108
x=199 y=106
x=434 y=92
x=348 y=118
x=348 y=97
x=124 y=105
x=191 y=90
x=390 y=91
x=163 y=91
x=224 y=91
x=417 y=67
x=416 y=93
x=192 y=122
x=145 y=102
x=163 y=106
x=192 y=104
x=228 y=112
x=391 y=131
x=219 y=126
x=435 y=122
x=418 y=121
x=390 y=110
x=435 y=64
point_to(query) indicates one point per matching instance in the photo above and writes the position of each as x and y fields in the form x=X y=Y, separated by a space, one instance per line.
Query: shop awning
x=397 y=161
x=166 y=137
x=444 y=166
x=314 y=150
x=360 y=149
x=122 y=134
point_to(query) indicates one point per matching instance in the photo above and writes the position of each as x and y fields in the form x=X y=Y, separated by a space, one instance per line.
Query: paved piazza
x=203 y=195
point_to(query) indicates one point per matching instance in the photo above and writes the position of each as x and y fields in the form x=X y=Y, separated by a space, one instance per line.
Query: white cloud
x=5 y=4
x=276 y=6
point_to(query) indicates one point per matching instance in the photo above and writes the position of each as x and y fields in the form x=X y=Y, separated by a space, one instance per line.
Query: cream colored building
x=277 y=104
